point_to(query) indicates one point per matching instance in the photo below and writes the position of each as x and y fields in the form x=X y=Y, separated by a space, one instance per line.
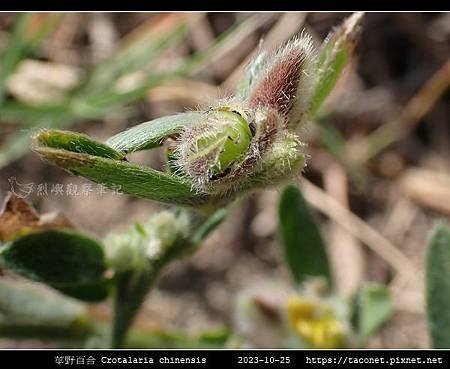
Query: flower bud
x=234 y=149
x=124 y=251
x=142 y=244
x=163 y=230
x=231 y=142
x=283 y=160
x=220 y=147
x=285 y=83
x=239 y=145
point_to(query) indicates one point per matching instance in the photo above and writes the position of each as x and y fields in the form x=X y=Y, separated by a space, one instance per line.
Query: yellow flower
x=315 y=322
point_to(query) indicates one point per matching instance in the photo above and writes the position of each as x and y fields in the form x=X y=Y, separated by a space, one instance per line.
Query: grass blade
x=24 y=39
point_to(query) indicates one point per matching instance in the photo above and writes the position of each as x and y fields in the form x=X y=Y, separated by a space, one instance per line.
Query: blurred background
x=379 y=166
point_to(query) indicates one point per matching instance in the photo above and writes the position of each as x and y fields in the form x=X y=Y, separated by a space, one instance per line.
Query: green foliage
x=333 y=57
x=95 y=291
x=254 y=148
x=210 y=165
x=372 y=307
x=97 y=95
x=121 y=175
x=75 y=142
x=305 y=255
x=63 y=259
x=166 y=237
x=151 y=134
x=27 y=311
x=438 y=286
x=100 y=83
x=210 y=225
x=301 y=240
x=23 y=41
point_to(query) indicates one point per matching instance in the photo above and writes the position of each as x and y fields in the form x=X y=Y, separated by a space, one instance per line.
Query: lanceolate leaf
x=301 y=240
x=372 y=307
x=333 y=57
x=126 y=177
x=210 y=225
x=59 y=258
x=75 y=142
x=438 y=286
x=151 y=134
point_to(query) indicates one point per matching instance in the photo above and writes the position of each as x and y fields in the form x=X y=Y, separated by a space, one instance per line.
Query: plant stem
x=131 y=289
x=132 y=286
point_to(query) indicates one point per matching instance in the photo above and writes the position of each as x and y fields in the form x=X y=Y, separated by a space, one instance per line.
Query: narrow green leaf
x=129 y=59
x=372 y=307
x=20 y=113
x=22 y=43
x=151 y=134
x=438 y=286
x=75 y=142
x=93 y=98
x=59 y=258
x=333 y=57
x=210 y=225
x=126 y=177
x=301 y=240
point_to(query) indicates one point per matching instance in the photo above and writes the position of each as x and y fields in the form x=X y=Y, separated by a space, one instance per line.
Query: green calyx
x=232 y=140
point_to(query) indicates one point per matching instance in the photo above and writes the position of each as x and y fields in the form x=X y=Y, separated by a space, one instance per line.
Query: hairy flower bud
x=124 y=251
x=282 y=161
x=141 y=244
x=250 y=141
x=286 y=80
x=162 y=231
x=235 y=148
x=224 y=147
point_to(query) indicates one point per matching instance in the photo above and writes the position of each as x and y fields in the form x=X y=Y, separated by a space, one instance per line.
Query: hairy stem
x=132 y=286
x=131 y=289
